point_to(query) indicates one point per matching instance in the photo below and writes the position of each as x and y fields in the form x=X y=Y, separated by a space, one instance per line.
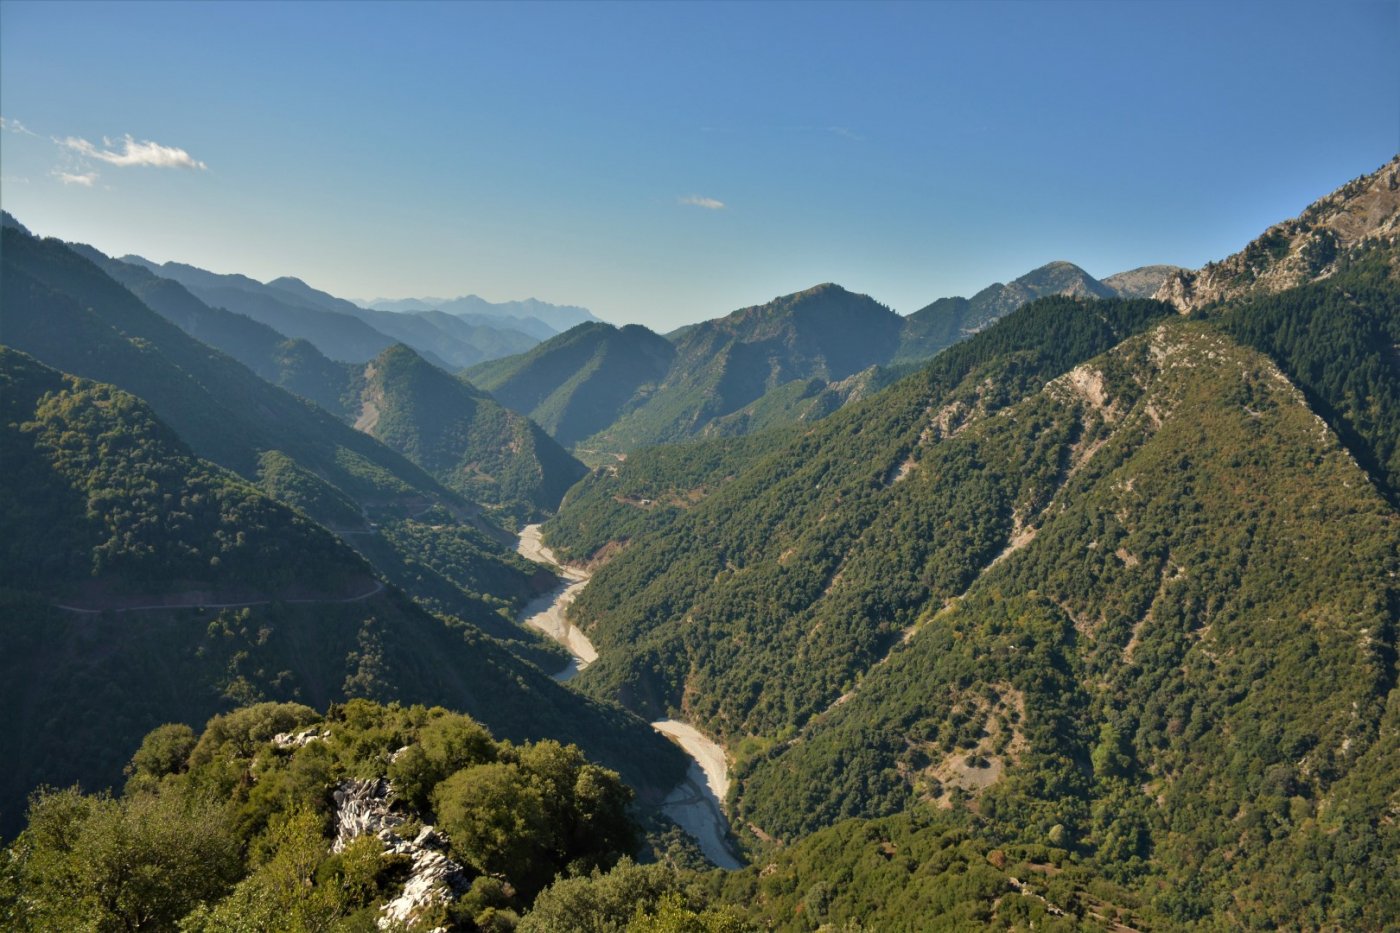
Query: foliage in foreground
x=233 y=831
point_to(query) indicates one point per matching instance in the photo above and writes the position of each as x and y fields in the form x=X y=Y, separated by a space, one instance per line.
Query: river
x=695 y=803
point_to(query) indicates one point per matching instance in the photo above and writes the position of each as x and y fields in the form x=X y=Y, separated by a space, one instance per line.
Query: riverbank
x=696 y=804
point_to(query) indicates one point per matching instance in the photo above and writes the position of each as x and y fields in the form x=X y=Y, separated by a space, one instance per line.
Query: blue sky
x=664 y=163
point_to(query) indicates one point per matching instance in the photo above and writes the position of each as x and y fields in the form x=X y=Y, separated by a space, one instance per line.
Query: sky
x=665 y=163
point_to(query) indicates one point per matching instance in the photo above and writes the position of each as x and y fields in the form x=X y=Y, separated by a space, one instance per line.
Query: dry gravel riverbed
x=695 y=803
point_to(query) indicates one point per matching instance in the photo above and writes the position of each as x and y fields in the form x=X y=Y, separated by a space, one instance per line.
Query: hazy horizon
x=670 y=163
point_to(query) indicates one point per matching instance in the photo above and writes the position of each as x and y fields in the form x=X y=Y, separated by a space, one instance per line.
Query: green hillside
x=606 y=391
x=65 y=311
x=462 y=436
x=69 y=314
x=459 y=435
x=294 y=364
x=1198 y=634
x=763 y=551
x=581 y=381
x=238 y=828
x=149 y=585
x=614 y=504
x=122 y=509
x=1142 y=616
x=725 y=364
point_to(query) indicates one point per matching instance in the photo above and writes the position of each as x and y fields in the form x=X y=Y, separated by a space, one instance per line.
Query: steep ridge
x=1142 y=282
x=581 y=381
x=294 y=364
x=948 y=320
x=338 y=328
x=462 y=436
x=607 y=392
x=1304 y=249
x=722 y=365
x=70 y=315
x=1202 y=623
x=334 y=334
x=417 y=533
x=445 y=338
x=1336 y=339
x=529 y=314
x=769 y=579
x=104 y=507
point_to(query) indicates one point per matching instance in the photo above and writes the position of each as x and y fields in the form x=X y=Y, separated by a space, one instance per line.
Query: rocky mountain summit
x=1141 y=282
x=1294 y=252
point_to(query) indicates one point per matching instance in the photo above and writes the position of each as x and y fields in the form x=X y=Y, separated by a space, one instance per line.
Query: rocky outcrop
x=362 y=808
x=1294 y=252
x=1141 y=282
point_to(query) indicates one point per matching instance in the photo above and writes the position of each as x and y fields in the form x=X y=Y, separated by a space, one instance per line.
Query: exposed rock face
x=298 y=739
x=362 y=808
x=1141 y=282
x=1304 y=249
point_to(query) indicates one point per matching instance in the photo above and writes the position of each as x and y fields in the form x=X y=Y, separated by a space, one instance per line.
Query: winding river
x=694 y=803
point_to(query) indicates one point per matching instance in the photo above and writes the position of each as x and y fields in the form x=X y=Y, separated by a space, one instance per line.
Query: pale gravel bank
x=695 y=803
x=547 y=613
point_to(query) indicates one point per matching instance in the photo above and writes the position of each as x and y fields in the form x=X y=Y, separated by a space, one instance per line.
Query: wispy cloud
x=695 y=200
x=134 y=152
x=845 y=132
x=69 y=178
x=14 y=126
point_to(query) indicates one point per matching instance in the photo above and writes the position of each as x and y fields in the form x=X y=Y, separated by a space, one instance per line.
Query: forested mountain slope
x=764 y=550
x=69 y=314
x=1137 y=606
x=461 y=435
x=606 y=391
x=581 y=381
x=295 y=364
x=334 y=334
x=150 y=586
x=1191 y=627
x=724 y=364
x=338 y=328
x=418 y=534
x=465 y=439
x=948 y=320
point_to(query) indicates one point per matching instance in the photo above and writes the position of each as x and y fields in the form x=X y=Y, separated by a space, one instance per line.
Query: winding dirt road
x=374 y=590
x=696 y=802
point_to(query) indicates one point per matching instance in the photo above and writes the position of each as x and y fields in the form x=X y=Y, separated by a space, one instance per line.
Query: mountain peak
x=8 y=220
x=1304 y=249
x=1141 y=282
x=1062 y=278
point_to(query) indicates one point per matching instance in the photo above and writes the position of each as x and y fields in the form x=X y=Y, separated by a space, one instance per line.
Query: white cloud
x=845 y=132
x=133 y=152
x=68 y=178
x=14 y=126
x=709 y=204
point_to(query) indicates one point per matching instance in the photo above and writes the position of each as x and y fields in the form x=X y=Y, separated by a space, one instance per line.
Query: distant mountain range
x=149 y=475
x=557 y=318
x=607 y=391
x=344 y=331
x=1103 y=579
